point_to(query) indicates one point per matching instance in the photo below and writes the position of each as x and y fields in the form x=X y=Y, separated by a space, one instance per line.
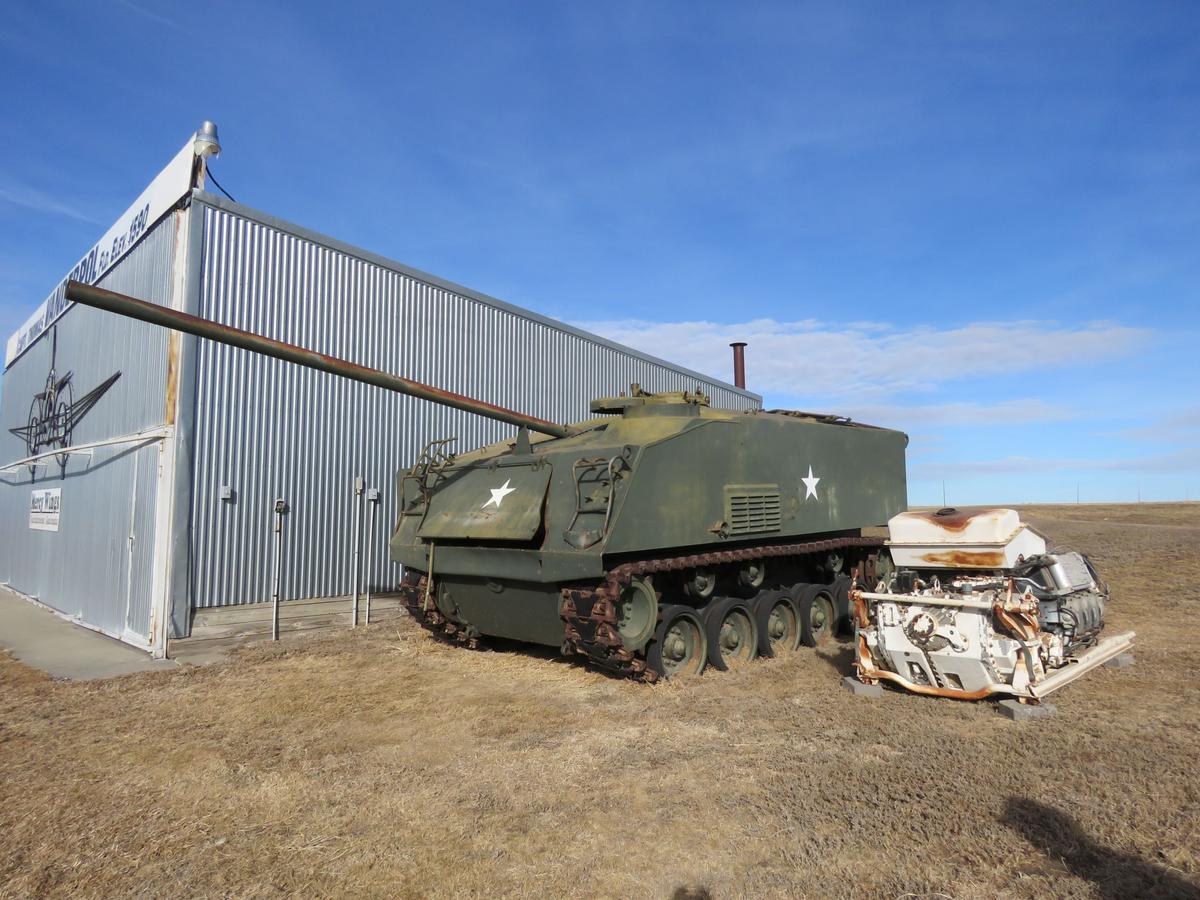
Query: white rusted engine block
x=976 y=606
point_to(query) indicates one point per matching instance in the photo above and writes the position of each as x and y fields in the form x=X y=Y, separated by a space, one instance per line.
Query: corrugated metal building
x=134 y=509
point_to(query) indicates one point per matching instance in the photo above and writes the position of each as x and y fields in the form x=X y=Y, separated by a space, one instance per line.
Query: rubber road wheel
x=816 y=615
x=637 y=614
x=680 y=644
x=732 y=632
x=778 y=621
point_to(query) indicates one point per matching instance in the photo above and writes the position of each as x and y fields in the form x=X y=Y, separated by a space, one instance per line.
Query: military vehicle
x=662 y=536
x=658 y=538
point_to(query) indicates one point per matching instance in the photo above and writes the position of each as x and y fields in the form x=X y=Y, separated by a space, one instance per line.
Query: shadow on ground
x=1116 y=875
x=541 y=651
x=838 y=654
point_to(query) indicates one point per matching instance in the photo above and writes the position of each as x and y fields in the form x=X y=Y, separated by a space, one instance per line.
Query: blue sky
x=975 y=222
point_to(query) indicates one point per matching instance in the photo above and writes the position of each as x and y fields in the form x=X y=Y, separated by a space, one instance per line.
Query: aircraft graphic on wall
x=54 y=413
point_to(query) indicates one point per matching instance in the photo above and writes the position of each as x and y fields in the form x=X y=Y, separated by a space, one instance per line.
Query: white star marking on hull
x=498 y=494
x=810 y=485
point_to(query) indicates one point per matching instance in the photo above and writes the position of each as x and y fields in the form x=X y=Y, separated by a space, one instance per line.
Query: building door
x=139 y=544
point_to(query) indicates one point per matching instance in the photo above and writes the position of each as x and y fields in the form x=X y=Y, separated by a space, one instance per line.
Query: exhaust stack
x=739 y=363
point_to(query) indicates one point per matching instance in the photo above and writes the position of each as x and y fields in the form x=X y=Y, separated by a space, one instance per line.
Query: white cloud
x=150 y=14
x=1007 y=412
x=872 y=361
x=1184 y=460
x=1181 y=426
x=1185 y=421
x=43 y=203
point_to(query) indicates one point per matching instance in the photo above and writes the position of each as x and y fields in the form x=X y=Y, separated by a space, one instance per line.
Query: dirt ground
x=383 y=763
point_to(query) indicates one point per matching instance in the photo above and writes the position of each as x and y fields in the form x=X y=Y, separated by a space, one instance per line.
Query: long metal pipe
x=125 y=305
x=926 y=600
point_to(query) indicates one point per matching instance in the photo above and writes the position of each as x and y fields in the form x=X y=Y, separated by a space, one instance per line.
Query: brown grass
x=384 y=763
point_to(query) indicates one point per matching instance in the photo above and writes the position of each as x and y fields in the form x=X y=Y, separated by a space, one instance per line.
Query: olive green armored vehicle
x=661 y=536
x=658 y=538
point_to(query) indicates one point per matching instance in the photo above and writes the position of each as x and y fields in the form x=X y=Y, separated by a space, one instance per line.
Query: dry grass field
x=382 y=763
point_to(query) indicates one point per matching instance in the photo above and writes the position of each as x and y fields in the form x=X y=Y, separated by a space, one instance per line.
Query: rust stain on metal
x=1020 y=625
x=173 y=343
x=965 y=559
x=412 y=590
x=861 y=616
x=622 y=573
x=933 y=691
x=868 y=674
x=953 y=519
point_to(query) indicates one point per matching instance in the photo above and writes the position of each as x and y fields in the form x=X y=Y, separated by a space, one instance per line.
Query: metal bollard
x=373 y=499
x=281 y=508
x=358 y=497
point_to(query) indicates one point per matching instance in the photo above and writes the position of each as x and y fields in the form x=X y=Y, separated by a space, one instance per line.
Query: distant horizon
x=1041 y=503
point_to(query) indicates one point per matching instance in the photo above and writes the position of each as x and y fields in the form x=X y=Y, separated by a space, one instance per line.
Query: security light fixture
x=207 y=143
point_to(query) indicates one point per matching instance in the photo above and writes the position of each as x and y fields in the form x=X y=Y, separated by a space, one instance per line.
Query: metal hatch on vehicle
x=501 y=504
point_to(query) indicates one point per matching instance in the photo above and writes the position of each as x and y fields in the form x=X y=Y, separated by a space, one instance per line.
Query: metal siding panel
x=271 y=430
x=83 y=569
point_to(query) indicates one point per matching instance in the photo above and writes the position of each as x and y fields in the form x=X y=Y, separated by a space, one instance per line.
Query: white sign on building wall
x=164 y=191
x=44 y=508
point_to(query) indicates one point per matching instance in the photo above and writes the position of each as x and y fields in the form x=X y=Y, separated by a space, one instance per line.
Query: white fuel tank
x=962 y=538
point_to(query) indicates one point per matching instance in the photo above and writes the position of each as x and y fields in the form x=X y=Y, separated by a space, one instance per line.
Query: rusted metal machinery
x=659 y=537
x=977 y=606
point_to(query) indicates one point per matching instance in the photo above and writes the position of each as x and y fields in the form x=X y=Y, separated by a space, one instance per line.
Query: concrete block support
x=1025 y=712
x=858 y=689
x=1124 y=661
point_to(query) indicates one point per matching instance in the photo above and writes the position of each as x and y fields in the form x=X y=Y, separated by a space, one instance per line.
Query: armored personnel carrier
x=662 y=536
x=656 y=539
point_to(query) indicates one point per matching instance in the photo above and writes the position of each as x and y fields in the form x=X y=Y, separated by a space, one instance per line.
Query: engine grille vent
x=752 y=508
